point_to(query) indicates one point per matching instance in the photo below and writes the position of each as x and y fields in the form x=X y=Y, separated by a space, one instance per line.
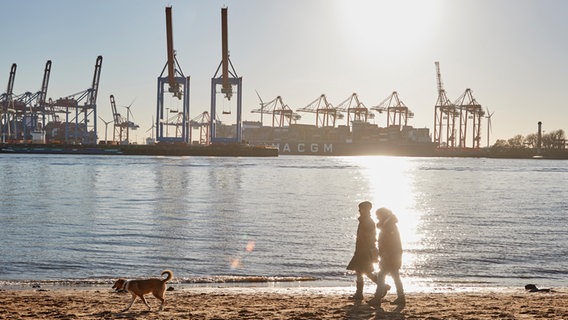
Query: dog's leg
x=160 y=296
x=131 y=303
x=145 y=302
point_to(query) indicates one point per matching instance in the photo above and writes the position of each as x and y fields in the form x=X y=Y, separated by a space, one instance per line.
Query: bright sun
x=391 y=185
x=386 y=28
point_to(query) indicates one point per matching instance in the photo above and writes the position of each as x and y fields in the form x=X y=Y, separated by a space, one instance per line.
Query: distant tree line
x=552 y=140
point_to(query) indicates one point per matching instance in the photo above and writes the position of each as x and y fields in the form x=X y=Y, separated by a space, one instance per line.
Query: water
x=464 y=222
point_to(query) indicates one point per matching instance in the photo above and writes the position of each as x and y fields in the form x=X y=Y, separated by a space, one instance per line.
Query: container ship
x=159 y=149
x=362 y=138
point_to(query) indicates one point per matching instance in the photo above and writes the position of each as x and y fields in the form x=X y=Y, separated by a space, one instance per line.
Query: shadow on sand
x=361 y=310
x=120 y=315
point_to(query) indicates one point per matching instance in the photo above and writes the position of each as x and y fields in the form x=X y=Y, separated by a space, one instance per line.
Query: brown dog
x=138 y=288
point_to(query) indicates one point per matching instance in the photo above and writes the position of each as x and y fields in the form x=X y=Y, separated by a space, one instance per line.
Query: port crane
x=326 y=114
x=7 y=103
x=445 y=115
x=121 y=124
x=227 y=79
x=25 y=116
x=282 y=114
x=397 y=112
x=178 y=86
x=176 y=119
x=356 y=110
x=202 y=122
x=470 y=113
x=80 y=124
x=28 y=113
x=42 y=105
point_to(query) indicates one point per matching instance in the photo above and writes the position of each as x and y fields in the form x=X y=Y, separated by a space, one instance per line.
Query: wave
x=229 y=279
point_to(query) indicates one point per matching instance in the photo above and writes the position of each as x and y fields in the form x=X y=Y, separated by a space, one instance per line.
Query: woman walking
x=365 y=249
x=390 y=255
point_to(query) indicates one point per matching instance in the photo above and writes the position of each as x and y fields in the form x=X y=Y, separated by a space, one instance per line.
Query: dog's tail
x=169 y=277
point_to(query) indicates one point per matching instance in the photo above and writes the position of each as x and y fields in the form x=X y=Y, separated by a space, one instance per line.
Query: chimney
x=539 y=137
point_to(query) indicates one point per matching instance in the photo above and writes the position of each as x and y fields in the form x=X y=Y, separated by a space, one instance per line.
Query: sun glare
x=387 y=29
x=391 y=186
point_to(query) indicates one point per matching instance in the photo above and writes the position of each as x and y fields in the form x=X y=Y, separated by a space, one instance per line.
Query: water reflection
x=391 y=184
x=461 y=220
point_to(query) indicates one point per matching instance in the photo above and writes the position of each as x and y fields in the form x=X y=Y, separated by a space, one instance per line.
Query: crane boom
x=439 y=78
x=10 y=88
x=44 y=83
x=226 y=88
x=92 y=99
x=115 y=115
x=173 y=85
x=325 y=112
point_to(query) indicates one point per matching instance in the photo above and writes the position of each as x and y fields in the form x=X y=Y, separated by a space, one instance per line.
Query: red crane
x=356 y=110
x=470 y=113
x=281 y=113
x=178 y=86
x=397 y=112
x=444 y=110
x=202 y=122
x=174 y=87
x=326 y=114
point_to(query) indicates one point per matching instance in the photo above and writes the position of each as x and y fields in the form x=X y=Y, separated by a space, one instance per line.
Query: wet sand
x=278 y=303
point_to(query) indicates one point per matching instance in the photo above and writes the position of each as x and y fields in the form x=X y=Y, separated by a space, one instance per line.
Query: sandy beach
x=278 y=303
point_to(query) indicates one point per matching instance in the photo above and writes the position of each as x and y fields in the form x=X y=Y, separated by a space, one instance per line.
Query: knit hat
x=365 y=205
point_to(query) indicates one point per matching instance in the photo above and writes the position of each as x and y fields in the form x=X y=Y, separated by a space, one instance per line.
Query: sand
x=280 y=303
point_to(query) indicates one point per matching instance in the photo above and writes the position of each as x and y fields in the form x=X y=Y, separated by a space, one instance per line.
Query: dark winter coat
x=390 y=246
x=365 y=247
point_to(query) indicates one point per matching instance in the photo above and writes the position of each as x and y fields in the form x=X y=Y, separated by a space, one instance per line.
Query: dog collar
x=124 y=285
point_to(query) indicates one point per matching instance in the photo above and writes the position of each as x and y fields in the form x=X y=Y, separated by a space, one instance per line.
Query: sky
x=512 y=54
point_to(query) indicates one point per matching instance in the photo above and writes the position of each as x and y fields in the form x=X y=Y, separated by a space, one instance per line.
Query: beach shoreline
x=255 y=302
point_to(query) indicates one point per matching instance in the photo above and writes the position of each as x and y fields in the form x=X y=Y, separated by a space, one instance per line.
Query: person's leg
x=373 y=277
x=359 y=283
x=400 y=300
x=381 y=289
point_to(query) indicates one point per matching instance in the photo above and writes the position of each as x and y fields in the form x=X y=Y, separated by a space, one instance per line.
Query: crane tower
x=326 y=114
x=227 y=79
x=80 y=124
x=178 y=86
x=445 y=114
x=470 y=114
x=356 y=110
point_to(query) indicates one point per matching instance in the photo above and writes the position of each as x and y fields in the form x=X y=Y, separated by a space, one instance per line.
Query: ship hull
x=352 y=149
x=224 y=150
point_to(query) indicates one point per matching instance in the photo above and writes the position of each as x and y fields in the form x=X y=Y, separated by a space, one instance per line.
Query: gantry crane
x=7 y=103
x=326 y=114
x=202 y=122
x=121 y=124
x=444 y=110
x=397 y=112
x=227 y=79
x=42 y=105
x=356 y=110
x=25 y=116
x=22 y=116
x=28 y=108
x=469 y=112
x=80 y=120
x=178 y=86
x=117 y=121
x=281 y=113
